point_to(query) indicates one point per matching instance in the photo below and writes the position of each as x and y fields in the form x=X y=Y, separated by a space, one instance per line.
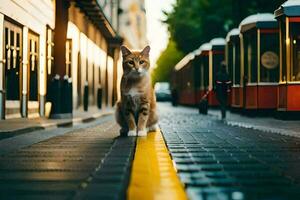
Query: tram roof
x=205 y=47
x=290 y=8
x=233 y=32
x=260 y=20
x=217 y=43
x=184 y=61
x=197 y=52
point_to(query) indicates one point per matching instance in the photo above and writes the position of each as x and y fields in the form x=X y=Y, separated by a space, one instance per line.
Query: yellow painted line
x=153 y=175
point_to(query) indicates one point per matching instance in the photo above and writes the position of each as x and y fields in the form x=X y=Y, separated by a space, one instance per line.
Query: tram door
x=12 y=55
x=33 y=60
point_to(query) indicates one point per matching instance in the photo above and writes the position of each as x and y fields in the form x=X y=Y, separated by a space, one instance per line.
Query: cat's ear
x=125 y=51
x=146 y=51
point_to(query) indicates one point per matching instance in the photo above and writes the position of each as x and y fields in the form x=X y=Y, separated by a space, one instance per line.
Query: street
x=213 y=160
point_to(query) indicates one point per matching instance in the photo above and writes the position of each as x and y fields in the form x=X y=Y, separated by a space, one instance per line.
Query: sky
x=157 y=31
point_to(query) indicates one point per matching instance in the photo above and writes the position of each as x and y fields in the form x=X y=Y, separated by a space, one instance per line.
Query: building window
x=50 y=50
x=33 y=61
x=69 y=57
x=12 y=55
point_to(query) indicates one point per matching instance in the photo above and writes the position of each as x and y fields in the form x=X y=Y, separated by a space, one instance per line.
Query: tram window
x=283 y=46
x=202 y=76
x=295 y=47
x=230 y=62
x=197 y=72
x=269 y=62
x=206 y=71
x=237 y=68
x=250 y=62
x=217 y=60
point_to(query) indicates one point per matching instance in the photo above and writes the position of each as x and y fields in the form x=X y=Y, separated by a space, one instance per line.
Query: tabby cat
x=136 y=112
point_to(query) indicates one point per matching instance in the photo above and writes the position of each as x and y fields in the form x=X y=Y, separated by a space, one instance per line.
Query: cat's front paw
x=142 y=133
x=153 y=128
x=132 y=133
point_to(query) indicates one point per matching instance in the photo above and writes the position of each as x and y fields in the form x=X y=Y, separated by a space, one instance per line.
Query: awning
x=94 y=12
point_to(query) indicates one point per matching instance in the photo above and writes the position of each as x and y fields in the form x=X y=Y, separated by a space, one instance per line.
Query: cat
x=136 y=111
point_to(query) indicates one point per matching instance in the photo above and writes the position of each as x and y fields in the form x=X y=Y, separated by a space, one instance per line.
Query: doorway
x=12 y=55
x=33 y=62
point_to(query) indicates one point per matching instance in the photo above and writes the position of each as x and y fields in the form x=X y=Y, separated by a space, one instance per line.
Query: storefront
x=22 y=69
x=82 y=58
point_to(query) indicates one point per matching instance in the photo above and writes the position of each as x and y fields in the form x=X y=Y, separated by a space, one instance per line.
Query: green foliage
x=193 y=22
x=166 y=62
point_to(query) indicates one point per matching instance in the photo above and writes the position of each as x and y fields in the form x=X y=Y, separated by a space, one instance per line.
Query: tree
x=194 y=22
x=166 y=62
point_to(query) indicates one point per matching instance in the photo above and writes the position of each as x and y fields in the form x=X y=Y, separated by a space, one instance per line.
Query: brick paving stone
x=216 y=161
x=111 y=179
x=91 y=161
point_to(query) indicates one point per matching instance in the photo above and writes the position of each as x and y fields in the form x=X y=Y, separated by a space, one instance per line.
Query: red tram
x=216 y=56
x=191 y=76
x=259 y=61
x=263 y=60
x=185 y=81
x=233 y=62
x=288 y=16
x=204 y=69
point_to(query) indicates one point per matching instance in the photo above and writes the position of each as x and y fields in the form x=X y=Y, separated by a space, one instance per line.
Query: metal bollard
x=66 y=98
x=174 y=99
x=55 y=94
x=203 y=106
x=70 y=90
x=99 y=97
x=86 y=96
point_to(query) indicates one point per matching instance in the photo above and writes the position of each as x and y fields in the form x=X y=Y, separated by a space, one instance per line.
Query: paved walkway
x=266 y=124
x=194 y=156
x=90 y=163
x=217 y=161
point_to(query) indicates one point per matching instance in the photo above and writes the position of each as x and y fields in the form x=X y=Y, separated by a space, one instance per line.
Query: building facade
x=64 y=52
x=133 y=24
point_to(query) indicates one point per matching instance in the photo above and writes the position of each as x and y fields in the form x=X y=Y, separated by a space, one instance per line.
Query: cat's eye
x=130 y=62
x=142 y=62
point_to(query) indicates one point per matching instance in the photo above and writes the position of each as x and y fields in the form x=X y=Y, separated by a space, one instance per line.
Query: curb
x=259 y=128
x=53 y=125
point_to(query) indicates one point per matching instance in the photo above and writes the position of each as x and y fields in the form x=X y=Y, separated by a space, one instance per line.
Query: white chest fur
x=133 y=92
x=135 y=96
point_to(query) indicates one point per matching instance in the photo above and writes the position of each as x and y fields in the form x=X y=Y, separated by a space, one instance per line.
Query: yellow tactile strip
x=153 y=175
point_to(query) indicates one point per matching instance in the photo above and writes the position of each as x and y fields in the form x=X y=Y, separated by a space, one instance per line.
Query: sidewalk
x=12 y=127
x=266 y=124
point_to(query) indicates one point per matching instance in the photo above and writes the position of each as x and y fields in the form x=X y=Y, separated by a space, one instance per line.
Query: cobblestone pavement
x=90 y=163
x=217 y=161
